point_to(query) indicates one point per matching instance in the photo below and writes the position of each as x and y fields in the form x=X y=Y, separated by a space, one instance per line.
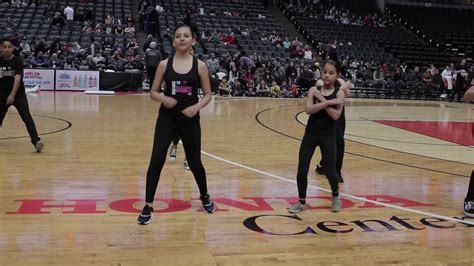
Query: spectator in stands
x=224 y=87
x=86 y=27
x=55 y=47
x=54 y=61
x=69 y=14
x=15 y=40
x=433 y=69
x=109 y=27
x=94 y=46
x=228 y=39
x=237 y=88
x=165 y=35
x=68 y=65
x=278 y=72
x=378 y=75
x=138 y=63
x=317 y=71
x=294 y=90
x=250 y=88
x=306 y=79
x=460 y=83
x=297 y=52
x=76 y=48
x=25 y=48
x=247 y=76
x=147 y=43
x=65 y=53
x=262 y=89
x=58 y=20
x=287 y=44
x=129 y=62
x=109 y=19
x=415 y=76
x=130 y=29
x=308 y=54
x=212 y=63
x=153 y=26
x=40 y=47
x=291 y=72
x=119 y=30
x=39 y=61
x=98 y=28
x=159 y=8
x=332 y=51
x=275 y=91
x=107 y=44
x=143 y=5
x=98 y=58
x=426 y=77
x=233 y=74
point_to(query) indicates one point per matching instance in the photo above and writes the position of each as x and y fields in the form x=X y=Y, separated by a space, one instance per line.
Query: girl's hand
x=190 y=111
x=170 y=102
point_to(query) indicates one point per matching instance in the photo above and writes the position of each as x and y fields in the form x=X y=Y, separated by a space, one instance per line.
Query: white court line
x=342 y=194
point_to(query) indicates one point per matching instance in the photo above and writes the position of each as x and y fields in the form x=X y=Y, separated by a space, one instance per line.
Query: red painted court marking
x=461 y=133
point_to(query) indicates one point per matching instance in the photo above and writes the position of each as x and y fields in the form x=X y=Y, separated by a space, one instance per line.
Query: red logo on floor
x=461 y=133
x=91 y=206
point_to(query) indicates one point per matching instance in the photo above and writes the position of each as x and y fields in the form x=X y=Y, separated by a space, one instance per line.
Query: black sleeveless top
x=182 y=87
x=321 y=122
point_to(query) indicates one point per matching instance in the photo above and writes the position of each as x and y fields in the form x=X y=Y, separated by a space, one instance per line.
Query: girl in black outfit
x=179 y=114
x=12 y=91
x=324 y=107
x=345 y=86
x=469 y=200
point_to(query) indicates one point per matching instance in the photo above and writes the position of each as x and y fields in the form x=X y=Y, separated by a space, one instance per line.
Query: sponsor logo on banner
x=77 y=80
x=39 y=77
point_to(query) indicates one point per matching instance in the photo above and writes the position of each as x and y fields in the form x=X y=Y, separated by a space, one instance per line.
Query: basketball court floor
x=407 y=167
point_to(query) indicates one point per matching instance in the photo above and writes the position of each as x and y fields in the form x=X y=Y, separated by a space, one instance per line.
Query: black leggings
x=327 y=144
x=21 y=104
x=340 y=146
x=166 y=129
x=470 y=191
x=176 y=139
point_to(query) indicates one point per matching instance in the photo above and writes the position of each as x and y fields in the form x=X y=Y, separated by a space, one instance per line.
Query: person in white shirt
x=447 y=76
x=159 y=8
x=69 y=13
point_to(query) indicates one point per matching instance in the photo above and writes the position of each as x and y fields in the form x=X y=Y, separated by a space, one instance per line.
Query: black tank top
x=321 y=122
x=182 y=87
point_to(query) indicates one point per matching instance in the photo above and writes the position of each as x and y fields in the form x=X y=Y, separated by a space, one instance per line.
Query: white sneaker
x=173 y=151
x=186 y=165
x=298 y=207
x=39 y=146
x=336 y=204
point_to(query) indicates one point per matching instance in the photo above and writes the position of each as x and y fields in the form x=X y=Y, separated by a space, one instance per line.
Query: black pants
x=327 y=144
x=457 y=90
x=470 y=191
x=176 y=139
x=151 y=71
x=21 y=104
x=340 y=145
x=167 y=127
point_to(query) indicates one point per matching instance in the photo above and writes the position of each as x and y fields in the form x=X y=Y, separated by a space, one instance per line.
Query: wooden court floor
x=406 y=170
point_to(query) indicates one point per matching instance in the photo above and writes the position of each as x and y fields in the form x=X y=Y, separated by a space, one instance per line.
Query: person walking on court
x=12 y=91
x=183 y=75
x=152 y=59
x=324 y=107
